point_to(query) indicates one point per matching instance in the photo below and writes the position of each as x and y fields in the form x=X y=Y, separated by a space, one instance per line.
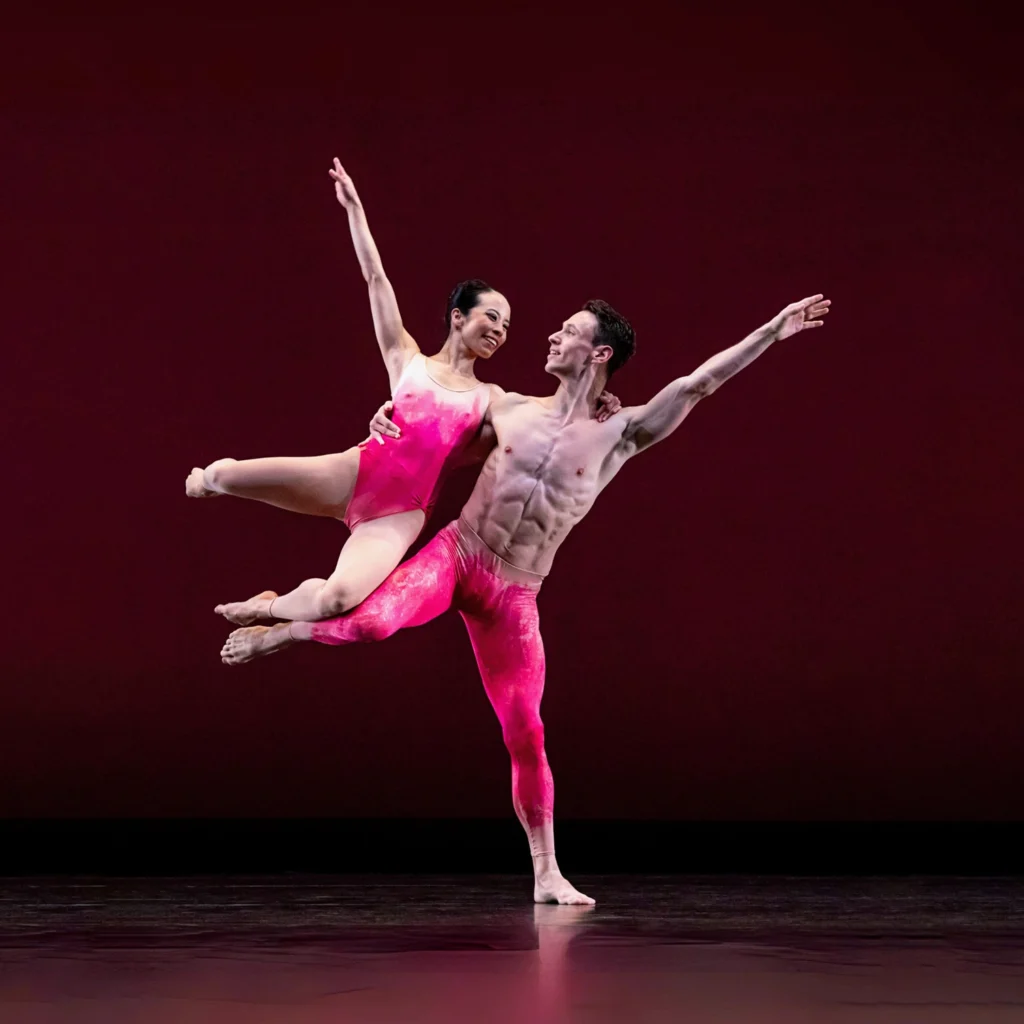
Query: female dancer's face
x=485 y=328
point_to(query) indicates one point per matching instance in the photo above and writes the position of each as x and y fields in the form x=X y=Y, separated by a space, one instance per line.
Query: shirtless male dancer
x=551 y=460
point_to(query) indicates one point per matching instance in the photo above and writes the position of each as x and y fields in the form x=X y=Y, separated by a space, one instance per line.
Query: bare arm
x=480 y=447
x=650 y=423
x=396 y=344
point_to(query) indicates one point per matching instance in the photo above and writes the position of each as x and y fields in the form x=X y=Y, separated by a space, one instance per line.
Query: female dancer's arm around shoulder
x=396 y=344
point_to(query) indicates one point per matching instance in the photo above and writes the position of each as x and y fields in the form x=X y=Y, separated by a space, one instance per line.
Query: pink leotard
x=437 y=425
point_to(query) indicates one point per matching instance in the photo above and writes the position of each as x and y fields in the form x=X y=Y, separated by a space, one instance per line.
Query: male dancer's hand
x=344 y=187
x=382 y=425
x=798 y=316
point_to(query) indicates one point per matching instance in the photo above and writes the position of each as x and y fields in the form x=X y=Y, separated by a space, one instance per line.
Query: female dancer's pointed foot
x=242 y=613
x=195 y=485
x=555 y=888
x=253 y=642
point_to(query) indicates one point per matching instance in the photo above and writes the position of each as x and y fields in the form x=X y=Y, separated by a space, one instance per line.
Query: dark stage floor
x=473 y=948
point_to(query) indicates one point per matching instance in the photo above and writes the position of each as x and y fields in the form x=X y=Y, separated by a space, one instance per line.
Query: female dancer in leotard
x=382 y=490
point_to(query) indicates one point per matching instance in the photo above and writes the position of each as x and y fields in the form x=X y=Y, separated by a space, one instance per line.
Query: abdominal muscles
x=523 y=513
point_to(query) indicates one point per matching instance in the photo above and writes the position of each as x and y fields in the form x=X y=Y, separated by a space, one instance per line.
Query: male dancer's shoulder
x=509 y=400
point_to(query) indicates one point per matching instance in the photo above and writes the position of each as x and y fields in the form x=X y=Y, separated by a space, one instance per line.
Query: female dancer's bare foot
x=195 y=485
x=553 y=887
x=241 y=613
x=254 y=641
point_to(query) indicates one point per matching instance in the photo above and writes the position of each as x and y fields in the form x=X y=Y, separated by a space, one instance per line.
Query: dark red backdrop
x=805 y=604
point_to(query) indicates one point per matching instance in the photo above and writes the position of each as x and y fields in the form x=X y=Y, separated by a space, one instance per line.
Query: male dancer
x=551 y=460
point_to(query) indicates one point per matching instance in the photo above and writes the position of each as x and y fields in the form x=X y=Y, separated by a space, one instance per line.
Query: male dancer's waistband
x=475 y=547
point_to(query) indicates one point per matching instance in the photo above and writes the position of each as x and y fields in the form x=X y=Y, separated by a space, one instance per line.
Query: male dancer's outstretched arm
x=650 y=423
x=396 y=344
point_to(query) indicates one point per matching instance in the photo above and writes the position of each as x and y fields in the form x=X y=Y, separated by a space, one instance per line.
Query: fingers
x=813 y=305
x=337 y=172
x=382 y=425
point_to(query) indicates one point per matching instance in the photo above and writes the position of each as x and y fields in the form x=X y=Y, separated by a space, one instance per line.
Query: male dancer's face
x=485 y=327
x=571 y=349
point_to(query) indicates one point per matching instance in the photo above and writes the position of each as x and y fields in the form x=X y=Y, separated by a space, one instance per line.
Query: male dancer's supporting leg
x=510 y=655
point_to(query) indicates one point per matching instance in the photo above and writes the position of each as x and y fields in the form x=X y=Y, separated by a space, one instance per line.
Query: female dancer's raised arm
x=396 y=343
x=383 y=494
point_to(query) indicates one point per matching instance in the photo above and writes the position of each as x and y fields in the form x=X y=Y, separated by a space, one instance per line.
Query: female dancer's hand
x=382 y=425
x=344 y=188
x=607 y=405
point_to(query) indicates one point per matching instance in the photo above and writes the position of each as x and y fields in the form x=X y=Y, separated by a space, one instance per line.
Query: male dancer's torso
x=542 y=477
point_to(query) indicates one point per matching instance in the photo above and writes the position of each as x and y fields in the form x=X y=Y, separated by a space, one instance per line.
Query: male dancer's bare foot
x=254 y=641
x=241 y=613
x=553 y=887
x=195 y=485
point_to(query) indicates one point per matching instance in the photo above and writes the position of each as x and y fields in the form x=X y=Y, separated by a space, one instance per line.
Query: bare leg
x=416 y=592
x=318 y=485
x=369 y=556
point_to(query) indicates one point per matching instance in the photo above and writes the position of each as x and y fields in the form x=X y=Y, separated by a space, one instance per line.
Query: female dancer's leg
x=318 y=485
x=369 y=556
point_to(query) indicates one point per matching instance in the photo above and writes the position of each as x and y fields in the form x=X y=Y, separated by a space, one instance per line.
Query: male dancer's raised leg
x=510 y=655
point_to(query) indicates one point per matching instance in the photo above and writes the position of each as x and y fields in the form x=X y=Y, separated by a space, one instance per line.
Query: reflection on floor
x=747 y=950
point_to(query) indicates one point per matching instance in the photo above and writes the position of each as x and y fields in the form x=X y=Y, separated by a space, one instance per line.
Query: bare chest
x=540 y=447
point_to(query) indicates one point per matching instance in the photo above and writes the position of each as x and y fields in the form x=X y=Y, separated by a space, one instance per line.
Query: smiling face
x=484 y=328
x=571 y=350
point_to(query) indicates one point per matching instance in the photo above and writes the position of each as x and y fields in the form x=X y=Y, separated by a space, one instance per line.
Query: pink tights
x=498 y=604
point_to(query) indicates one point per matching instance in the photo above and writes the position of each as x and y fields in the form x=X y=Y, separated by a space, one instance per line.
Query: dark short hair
x=615 y=330
x=464 y=297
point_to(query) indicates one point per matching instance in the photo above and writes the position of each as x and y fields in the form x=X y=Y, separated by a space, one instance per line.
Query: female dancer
x=383 y=490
